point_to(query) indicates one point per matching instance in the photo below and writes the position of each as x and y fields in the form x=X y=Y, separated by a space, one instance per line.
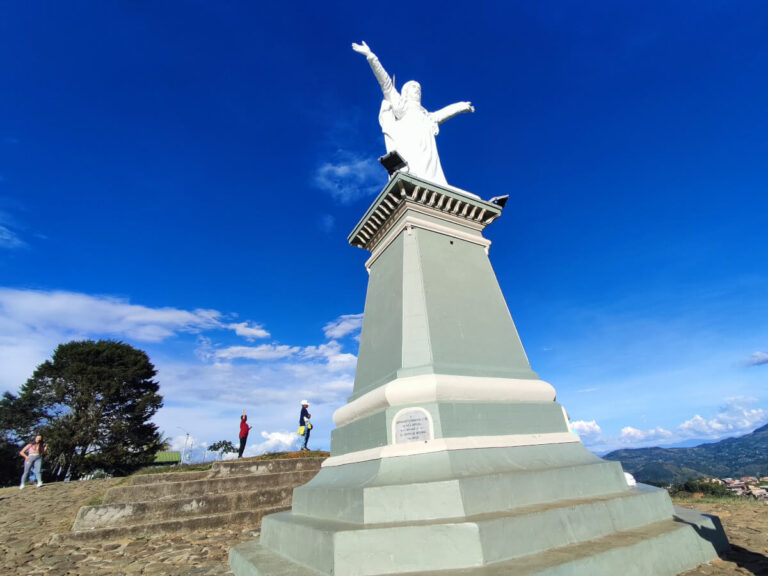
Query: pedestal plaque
x=413 y=425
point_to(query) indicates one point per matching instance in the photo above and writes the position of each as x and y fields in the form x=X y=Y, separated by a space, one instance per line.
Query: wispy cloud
x=343 y=326
x=330 y=352
x=350 y=177
x=758 y=359
x=9 y=239
x=263 y=352
x=327 y=223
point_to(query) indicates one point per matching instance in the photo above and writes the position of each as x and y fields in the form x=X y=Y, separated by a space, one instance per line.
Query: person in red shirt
x=244 y=429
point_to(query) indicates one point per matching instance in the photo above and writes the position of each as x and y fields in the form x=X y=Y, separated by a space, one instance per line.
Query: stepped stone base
x=231 y=493
x=554 y=510
x=661 y=549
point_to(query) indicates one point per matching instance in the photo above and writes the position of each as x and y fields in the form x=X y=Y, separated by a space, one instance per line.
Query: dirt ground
x=746 y=525
x=28 y=518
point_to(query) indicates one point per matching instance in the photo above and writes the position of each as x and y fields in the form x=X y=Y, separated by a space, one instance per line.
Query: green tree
x=693 y=485
x=222 y=447
x=92 y=402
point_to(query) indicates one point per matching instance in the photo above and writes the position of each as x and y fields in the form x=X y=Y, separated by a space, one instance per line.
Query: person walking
x=33 y=456
x=244 y=429
x=304 y=421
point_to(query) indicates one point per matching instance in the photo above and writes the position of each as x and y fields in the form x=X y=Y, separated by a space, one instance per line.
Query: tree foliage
x=222 y=447
x=93 y=402
x=693 y=485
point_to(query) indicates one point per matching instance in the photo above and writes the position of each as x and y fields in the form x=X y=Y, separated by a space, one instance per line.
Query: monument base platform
x=543 y=510
x=664 y=548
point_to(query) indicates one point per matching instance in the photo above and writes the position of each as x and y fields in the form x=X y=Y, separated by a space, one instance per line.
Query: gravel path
x=28 y=518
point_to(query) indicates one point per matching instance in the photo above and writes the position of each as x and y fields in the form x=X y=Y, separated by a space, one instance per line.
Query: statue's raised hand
x=362 y=49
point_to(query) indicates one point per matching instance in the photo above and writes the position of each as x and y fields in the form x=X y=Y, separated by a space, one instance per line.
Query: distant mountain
x=734 y=457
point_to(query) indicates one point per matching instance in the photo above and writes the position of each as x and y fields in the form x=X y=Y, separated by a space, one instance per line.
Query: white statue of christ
x=408 y=127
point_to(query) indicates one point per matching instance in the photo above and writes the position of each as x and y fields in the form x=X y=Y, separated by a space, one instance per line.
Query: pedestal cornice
x=405 y=191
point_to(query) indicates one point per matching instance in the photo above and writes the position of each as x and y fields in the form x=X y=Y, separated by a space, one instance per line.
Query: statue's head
x=412 y=91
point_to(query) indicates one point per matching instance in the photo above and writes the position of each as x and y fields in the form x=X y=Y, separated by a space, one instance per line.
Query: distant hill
x=734 y=457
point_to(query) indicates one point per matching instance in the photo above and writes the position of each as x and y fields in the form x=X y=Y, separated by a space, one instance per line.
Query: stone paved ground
x=28 y=518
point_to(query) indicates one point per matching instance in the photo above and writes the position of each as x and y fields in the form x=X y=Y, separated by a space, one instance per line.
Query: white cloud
x=343 y=325
x=351 y=178
x=273 y=442
x=249 y=331
x=757 y=359
x=329 y=352
x=735 y=418
x=77 y=315
x=336 y=360
x=630 y=435
x=586 y=430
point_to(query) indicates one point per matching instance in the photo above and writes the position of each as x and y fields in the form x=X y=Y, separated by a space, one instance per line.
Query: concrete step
x=662 y=549
x=224 y=468
x=144 y=479
x=231 y=493
x=464 y=541
x=336 y=495
x=189 y=489
x=116 y=515
x=245 y=517
x=665 y=548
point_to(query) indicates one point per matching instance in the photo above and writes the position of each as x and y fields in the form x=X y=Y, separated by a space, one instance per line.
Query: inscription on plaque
x=412 y=426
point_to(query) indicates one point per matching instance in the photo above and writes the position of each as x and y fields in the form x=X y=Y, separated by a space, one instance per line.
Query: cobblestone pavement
x=29 y=517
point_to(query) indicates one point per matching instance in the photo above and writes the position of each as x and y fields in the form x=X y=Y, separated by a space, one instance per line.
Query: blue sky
x=182 y=176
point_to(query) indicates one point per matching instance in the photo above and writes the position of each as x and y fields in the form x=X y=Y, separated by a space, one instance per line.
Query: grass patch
x=95 y=501
x=687 y=498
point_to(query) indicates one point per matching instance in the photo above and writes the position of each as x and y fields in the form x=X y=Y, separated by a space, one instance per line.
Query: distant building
x=167 y=458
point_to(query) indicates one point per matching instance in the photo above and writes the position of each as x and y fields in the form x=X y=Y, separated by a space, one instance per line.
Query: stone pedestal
x=451 y=453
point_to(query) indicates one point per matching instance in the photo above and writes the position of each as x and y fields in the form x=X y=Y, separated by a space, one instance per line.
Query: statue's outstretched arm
x=387 y=88
x=452 y=110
